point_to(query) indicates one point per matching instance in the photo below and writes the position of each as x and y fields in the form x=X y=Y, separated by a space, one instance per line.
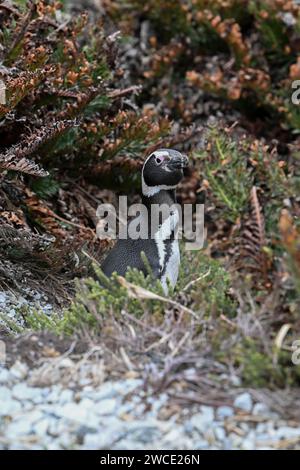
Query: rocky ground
x=58 y=395
x=13 y=306
x=122 y=415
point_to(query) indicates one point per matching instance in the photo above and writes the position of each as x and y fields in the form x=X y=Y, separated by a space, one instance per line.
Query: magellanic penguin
x=161 y=173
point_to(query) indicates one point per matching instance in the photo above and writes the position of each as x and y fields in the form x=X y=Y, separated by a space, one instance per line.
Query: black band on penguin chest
x=168 y=244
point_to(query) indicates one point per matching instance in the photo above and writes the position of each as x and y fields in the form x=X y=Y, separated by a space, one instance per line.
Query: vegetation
x=84 y=105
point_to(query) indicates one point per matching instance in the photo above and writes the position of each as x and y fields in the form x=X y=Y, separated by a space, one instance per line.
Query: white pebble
x=224 y=412
x=4 y=375
x=106 y=407
x=19 y=370
x=243 y=401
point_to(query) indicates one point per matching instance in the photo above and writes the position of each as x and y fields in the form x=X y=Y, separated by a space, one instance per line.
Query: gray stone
x=260 y=409
x=224 y=412
x=88 y=404
x=11 y=313
x=235 y=440
x=100 y=440
x=188 y=427
x=249 y=440
x=66 y=363
x=244 y=427
x=200 y=444
x=128 y=444
x=19 y=370
x=10 y=407
x=261 y=437
x=75 y=412
x=41 y=427
x=18 y=427
x=226 y=445
x=66 y=440
x=111 y=389
x=183 y=443
x=244 y=401
x=18 y=446
x=66 y=396
x=41 y=397
x=161 y=401
x=173 y=436
x=53 y=446
x=57 y=426
x=106 y=407
x=106 y=390
x=261 y=428
x=5 y=394
x=248 y=444
x=54 y=394
x=145 y=430
x=235 y=380
x=71 y=411
x=286 y=432
x=202 y=420
x=135 y=410
x=100 y=418
x=21 y=391
x=219 y=433
x=4 y=375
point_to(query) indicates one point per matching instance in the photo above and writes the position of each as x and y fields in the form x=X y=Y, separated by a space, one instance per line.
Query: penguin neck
x=163 y=196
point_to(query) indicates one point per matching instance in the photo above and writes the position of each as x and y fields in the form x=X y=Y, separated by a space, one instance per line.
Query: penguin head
x=163 y=169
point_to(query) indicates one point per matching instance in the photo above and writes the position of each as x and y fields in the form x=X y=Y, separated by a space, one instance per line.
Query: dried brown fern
x=250 y=256
x=9 y=162
x=20 y=86
x=42 y=214
x=15 y=157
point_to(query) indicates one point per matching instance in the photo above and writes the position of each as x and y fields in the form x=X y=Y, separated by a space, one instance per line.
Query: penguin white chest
x=168 y=251
x=171 y=268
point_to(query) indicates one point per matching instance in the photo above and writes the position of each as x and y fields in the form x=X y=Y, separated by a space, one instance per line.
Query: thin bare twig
x=194 y=281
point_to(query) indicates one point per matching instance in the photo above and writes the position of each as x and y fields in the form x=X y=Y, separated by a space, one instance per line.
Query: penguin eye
x=158 y=160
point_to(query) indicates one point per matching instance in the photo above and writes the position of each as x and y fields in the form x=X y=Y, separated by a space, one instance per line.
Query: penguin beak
x=178 y=163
